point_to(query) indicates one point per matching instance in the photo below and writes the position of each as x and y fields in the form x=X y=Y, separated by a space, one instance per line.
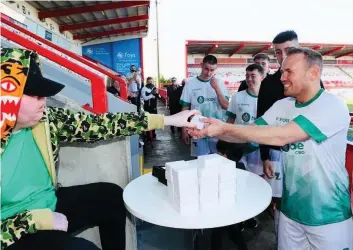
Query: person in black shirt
x=262 y=59
x=113 y=87
x=174 y=92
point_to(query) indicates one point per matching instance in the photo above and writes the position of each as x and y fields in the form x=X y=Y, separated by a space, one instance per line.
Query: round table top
x=147 y=199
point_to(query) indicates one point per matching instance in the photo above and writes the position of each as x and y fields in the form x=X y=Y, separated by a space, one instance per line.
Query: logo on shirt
x=246 y=117
x=202 y=99
x=298 y=148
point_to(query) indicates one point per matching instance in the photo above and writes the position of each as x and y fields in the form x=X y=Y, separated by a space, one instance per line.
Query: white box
x=185 y=199
x=227 y=185
x=208 y=206
x=227 y=170
x=207 y=161
x=172 y=165
x=185 y=182
x=227 y=192
x=208 y=190
x=228 y=201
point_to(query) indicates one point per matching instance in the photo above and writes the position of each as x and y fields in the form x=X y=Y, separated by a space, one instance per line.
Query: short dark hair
x=210 y=59
x=229 y=149
x=285 y=36
x=149 y=78
x=132 y=65
x=257 y=67
x=312 y=57
x=262 y=56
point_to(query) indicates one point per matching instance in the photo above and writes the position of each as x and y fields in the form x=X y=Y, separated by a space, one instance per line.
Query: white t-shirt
x=315 y=190
x=243 y=108
x=134 y=86
x=199 y=95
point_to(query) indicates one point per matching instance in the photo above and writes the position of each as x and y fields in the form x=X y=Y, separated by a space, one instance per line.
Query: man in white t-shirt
x=134 y=84
x=311 y=126
x=209 y=95
x=242 y=110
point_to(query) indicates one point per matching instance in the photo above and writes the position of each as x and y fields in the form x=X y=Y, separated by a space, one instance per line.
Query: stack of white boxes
x=202 y=184
x=183 y=190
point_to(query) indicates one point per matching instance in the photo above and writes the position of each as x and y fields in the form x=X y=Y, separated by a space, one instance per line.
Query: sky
x=321 y=21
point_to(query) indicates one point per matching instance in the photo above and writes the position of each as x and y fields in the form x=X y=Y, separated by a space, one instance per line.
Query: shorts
x=203 y=146
x=253 y=163
x=276 y=182
x=295 y=236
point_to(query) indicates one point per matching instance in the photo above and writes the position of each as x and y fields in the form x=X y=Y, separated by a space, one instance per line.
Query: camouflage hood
x=14 y=71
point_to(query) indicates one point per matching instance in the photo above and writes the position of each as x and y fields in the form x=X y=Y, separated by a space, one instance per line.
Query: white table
x=147 y=199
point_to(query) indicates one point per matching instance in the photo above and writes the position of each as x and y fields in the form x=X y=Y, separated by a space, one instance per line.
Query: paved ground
x=168 y=147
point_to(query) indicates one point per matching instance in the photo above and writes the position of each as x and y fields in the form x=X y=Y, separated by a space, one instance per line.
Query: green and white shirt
x=316 y=182
x=243 y=107
x=199 y=94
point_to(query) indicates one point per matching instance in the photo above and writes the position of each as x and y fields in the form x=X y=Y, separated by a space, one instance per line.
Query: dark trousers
x=234 y=233
x=173 y=112
x=85 y=206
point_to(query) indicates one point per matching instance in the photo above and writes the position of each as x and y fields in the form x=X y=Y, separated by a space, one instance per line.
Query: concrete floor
x=168 y=147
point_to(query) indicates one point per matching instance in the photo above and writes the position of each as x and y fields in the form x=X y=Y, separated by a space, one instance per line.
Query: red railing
x=99 y=92
x=122 y=83
x=163 y=94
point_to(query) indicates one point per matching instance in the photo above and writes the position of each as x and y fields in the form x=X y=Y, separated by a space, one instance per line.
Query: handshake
x=195 y=124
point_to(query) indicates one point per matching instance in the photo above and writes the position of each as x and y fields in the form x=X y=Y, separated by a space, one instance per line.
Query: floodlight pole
x=158 y=70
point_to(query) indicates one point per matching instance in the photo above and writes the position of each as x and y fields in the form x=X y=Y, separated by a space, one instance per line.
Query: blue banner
x=100 y=52
x=126 y=53
x=119 y=55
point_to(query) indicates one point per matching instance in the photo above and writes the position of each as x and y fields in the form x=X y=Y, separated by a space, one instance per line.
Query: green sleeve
x=13 y=228
x=261 y=122
x=231 y=115
x=81 y=127
x=184 y=104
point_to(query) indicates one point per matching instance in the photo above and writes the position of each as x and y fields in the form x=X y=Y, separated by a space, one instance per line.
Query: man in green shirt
x=35 y=213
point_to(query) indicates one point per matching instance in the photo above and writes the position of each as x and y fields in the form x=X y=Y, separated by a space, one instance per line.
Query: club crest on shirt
x=246 y=117
x=200 y=99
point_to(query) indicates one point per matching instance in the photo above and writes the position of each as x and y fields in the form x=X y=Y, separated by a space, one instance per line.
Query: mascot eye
x=8 y=86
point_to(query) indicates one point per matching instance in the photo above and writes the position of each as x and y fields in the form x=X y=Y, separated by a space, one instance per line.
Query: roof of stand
x=88 y=20
x=252 y=48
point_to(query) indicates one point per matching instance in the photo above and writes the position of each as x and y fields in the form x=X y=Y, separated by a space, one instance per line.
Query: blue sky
x=324 y=21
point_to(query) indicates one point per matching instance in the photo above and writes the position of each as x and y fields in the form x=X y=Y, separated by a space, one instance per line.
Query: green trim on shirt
x=231 y=115
x=302 y=105
x=252 y=95
x=198 y=78
x=184 y=104
x=261 y=122
x=310 y=128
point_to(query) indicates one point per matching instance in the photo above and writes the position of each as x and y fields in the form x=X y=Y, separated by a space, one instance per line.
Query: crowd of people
x=274 y=126
x=280 y=129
